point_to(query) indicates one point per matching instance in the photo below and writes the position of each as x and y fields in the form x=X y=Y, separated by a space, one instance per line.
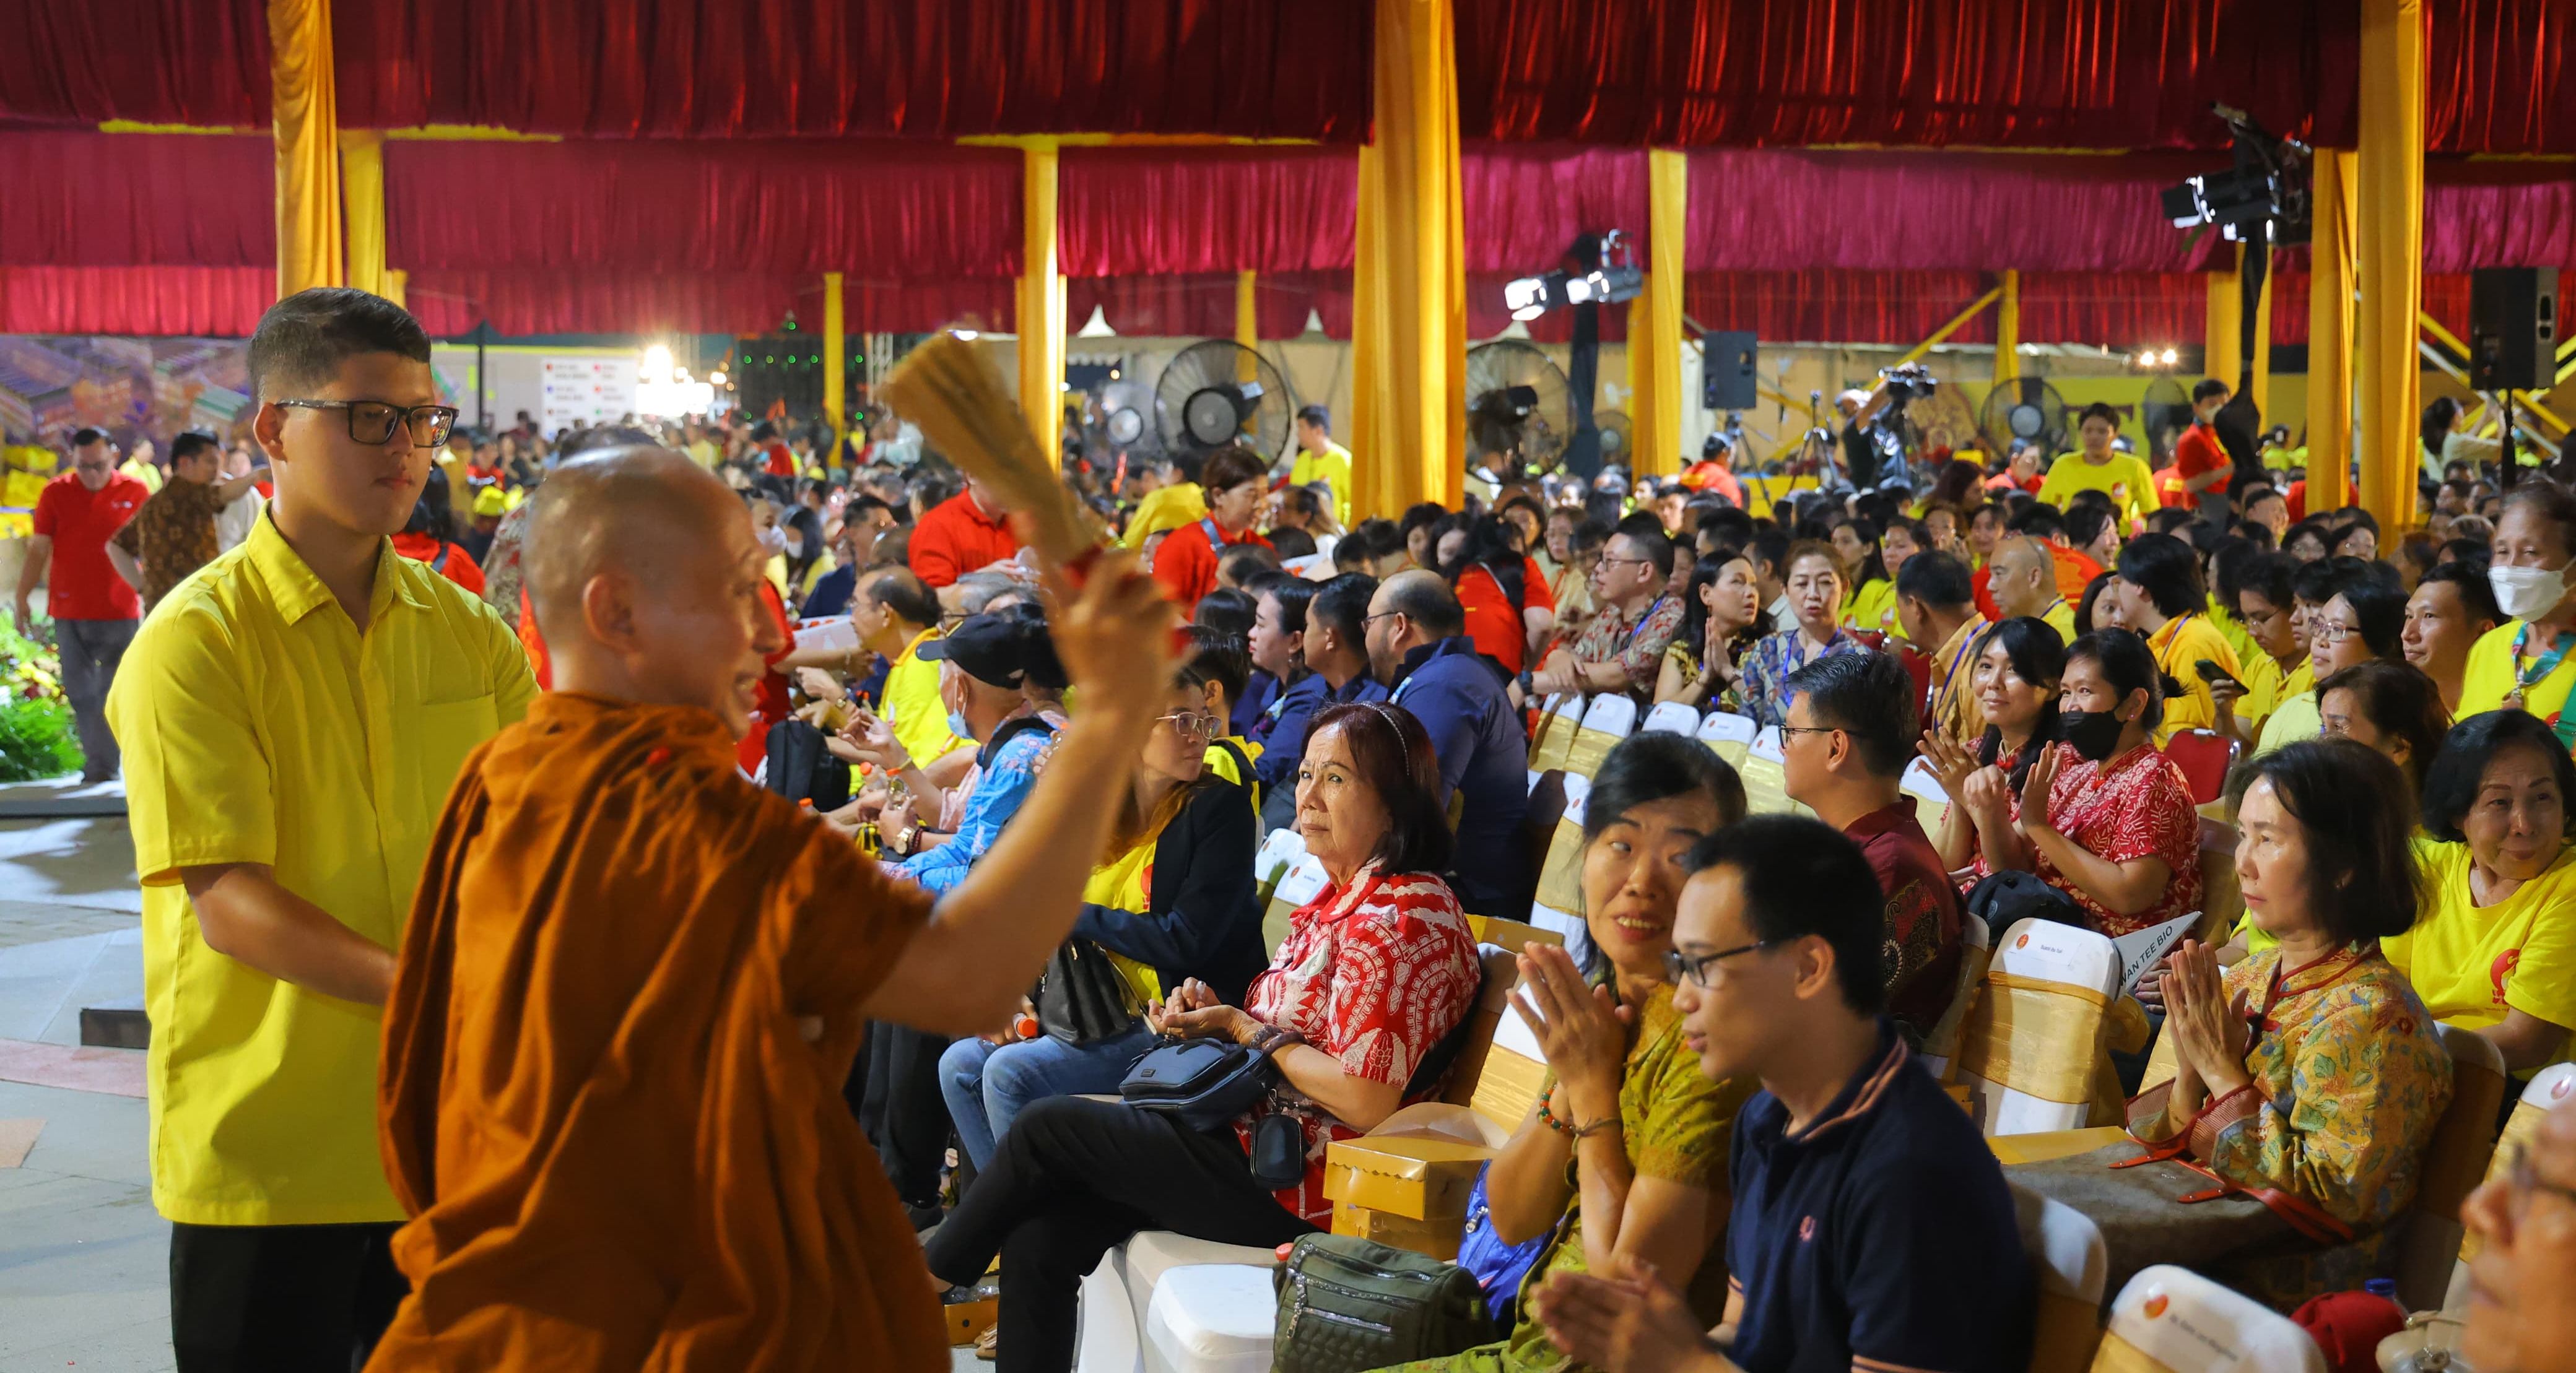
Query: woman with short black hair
x=2311 y=1068
x=2162 y=599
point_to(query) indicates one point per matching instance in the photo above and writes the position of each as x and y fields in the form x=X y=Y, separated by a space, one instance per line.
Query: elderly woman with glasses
x=1376 y=972
x=1170 y=902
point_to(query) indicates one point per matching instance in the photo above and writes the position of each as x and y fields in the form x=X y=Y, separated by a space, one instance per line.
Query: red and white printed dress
x=1373 y=974
x=2140 y=808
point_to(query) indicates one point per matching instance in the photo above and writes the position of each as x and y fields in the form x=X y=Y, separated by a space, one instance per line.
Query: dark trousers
x=280 y=1298
x=1075 y=1178
x=91 y=650
x=894 y=1090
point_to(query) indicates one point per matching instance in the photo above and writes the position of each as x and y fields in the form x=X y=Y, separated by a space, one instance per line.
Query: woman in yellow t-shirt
x=2530 y=662
x=1870 y=604
x=1172 y=898
x=2259 y=588
x=2124 y=477
x=2495 y=950
x=2161 y=598
x=2363 y=622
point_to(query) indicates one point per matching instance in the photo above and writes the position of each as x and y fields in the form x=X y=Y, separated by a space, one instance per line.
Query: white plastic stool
x=1211 y=1318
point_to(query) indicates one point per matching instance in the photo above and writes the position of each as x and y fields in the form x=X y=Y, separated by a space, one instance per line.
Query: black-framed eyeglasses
x=373 y=421
x=1787 y=730
x=1605 y=560
x=1366 y=620
x=1679 y=965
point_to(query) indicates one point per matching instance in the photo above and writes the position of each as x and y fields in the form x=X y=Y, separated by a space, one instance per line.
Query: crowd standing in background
x=838 y=653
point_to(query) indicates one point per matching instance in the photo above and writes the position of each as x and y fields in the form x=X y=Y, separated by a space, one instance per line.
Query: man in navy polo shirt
x=1871 y=1228
x=1418 y=645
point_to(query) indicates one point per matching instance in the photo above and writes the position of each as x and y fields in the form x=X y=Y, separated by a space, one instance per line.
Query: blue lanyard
x=1640 y=625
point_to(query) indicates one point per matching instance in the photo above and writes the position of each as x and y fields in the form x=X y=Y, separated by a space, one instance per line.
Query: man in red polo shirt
x=93 y=609
x=2204 y=466
x=965 y=533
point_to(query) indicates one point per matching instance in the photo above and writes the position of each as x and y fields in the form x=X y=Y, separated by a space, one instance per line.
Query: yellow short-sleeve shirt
x=2061 y=617
x=2179 y=647
x=1871 y=606
x=2471 y=963
x=260 y=726
x=2125 y=479
x=912 y=707
x=1333 y=468
x=2492 y=671
x=1167 y=507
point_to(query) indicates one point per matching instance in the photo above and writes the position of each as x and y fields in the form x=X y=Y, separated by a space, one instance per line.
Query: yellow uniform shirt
x=2125 y=479
x=1168 y=507
x=2061 y=617
x=2471 y=964
x=259 y=726
x=1872 y=605
x=144 y=472
x=2492 y=672
x=2296 y=718
x=1220 y=760
x=912 y=707
x=1333 y=468
x=2264 y=682
x=2179 y=647
x=1955 y=711
x=2237 y=638
x=1122 y=884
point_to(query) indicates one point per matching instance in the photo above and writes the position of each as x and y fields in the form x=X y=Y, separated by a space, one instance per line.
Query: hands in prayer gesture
x=2210 y=1028
x=1628 y=1319
x=2035 y=787
x=1583 y=1030
x=1193 y=1012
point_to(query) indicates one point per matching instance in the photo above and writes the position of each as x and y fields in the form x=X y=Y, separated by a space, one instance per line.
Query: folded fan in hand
x=951 y=388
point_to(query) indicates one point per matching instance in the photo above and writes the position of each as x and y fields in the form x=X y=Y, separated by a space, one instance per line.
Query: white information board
x=590 y=390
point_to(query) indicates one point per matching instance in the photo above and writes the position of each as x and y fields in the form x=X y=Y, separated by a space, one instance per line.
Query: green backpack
x=1348 y=1304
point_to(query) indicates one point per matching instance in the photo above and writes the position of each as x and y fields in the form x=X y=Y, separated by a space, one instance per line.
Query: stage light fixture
x=2263 y=196
x=2170 y=357
x=1616 y=278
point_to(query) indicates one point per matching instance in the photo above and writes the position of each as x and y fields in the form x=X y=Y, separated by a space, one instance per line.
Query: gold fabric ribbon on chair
x=1560 y=881
x=2036 y=1037
x=1583 y=754
x=2117 y=1355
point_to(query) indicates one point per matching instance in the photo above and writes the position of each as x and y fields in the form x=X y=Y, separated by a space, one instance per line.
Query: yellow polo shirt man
x=2125 y=479
x=260 y=726
x=1331 y=466
x=912 y=706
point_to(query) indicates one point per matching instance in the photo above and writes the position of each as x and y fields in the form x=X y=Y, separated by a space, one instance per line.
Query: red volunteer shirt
x=956 y=537
x=1186 y=562
x=81 y=584
x=1498 y=630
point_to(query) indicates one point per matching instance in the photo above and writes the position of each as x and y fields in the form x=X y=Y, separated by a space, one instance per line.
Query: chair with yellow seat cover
x=2027 y=1046
x=2550 y=1088
x=1728 y=736
x=2172 y=1320
x=1607 y=720
x=2067 y=1255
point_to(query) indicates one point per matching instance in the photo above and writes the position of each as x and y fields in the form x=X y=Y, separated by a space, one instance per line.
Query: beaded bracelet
x=1571 y=1132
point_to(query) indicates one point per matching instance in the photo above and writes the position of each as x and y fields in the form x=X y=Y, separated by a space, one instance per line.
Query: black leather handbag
x=1347 y=1303
x=1207 y=1084
x=1082 y=998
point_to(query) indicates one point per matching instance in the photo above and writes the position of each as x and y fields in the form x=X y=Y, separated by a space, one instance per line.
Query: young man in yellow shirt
x=1321 y=459
x=2124 y=477
x=292 y=719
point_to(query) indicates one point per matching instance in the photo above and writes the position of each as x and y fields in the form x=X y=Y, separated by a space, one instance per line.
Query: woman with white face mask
x=2529 y=662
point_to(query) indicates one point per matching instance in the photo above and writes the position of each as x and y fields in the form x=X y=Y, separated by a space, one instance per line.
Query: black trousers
x=1074 y=1179
x=894 y=1090
x=280 y=1298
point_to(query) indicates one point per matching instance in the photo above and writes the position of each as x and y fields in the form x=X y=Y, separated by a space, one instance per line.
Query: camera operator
x=1873 y=441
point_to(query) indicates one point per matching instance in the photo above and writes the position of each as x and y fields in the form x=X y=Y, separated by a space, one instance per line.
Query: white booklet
x=2141 y=953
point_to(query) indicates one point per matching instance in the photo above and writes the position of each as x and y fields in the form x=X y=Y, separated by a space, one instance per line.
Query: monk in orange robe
x=633 y=983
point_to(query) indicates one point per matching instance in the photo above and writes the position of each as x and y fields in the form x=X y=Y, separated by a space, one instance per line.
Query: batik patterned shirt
x=1767 y=696
x=2140 y=808
x=1635 y=642
x=1373 y=974
x=172 y=535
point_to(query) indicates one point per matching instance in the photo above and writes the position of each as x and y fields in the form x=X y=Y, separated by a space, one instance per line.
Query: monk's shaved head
x=647 y=512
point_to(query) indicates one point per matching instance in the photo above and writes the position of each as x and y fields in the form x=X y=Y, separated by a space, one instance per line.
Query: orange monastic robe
x=616 y=1148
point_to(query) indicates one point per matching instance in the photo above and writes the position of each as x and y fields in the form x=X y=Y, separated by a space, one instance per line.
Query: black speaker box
x=1726 y=369
x=2513 y=328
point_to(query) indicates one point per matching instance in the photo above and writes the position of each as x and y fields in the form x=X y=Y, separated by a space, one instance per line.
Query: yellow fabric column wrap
x=2389 y=237
x=398 y=288
x=2222 y=342
x=1409 y=307
x=835 y=363
x=2008 y=331
x=1655 y=321
x=2261 y=384
x=1041 y=322
x=2330 y=327
x=362 y=203
x=307 y=123
x=1247 y=313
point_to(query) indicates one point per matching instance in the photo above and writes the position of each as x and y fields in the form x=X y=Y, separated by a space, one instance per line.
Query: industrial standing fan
x=1217 y=393
x=2164 y=412
x=2026 y=408
x=1517 y=403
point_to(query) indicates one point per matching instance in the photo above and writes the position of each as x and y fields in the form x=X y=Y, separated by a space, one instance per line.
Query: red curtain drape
x=2495 y=214
x=1202 y=305
x=1284 y=301
x=2003 y=73
x=2503 y=76
x=1126 y=211
x=1837 y=306
x=1524 y=204
x=200 y=62
x=73 y=198
x=758 y=68
x=217 y=302
x=916 y=307
x=889 y=209
x=2119 y=310
x=605 y=301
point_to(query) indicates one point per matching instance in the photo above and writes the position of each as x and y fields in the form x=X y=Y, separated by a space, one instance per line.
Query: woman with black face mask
x=2117 y=831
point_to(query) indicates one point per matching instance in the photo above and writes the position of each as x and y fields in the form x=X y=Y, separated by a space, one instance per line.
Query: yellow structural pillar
x=307 y=123
x=1409 y=306
x=2261 y=384
x=2222 y=353
x=1655 y=322
x=362 y=206
x=835 y=363
x=1247 y=325
x=2008 y=331
x=2389 y=242
x=1041 y=322
x=2330 y=326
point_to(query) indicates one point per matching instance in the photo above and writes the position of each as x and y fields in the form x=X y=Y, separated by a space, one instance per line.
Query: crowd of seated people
x=1379 y=700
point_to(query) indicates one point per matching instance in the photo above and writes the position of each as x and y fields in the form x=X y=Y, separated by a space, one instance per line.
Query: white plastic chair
x=2041 y=951
x=1727 y=735
x=1277 y=854
x=2180 y=1319
x=1766 y=776
x=1924 y=785
x=1614 y=713
x=1976 y=952
x=1560 y=716
x=1673 y=718
x=2067 y=1250
x=1562 y=866
x=1210 y=1318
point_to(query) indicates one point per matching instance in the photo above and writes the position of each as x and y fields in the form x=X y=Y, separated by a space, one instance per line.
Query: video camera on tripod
x=1908 y=381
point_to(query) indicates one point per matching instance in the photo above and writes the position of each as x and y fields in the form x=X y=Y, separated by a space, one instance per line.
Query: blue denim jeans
x=987 y=1086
